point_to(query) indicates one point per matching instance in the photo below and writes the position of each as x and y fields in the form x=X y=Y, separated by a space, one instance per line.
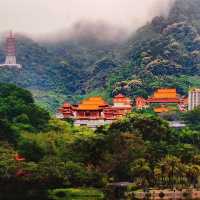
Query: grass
x=76 y=194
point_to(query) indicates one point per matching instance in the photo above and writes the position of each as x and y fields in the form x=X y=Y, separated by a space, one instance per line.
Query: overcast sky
x=46 y=16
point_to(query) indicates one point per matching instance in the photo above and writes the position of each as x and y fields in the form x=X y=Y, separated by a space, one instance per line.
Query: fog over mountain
x=39 y=17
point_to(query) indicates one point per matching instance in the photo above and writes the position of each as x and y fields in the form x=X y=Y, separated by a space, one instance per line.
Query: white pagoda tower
x=10 y=51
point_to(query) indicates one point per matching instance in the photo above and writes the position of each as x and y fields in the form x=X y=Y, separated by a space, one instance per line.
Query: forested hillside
x=40 y=156
x=165 y=52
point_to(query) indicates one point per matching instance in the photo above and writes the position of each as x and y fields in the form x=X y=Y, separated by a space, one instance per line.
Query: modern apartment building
x=193 y=98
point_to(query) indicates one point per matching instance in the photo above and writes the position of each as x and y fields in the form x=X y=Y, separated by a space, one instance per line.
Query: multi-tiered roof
x=166 y=99
x=164 y=96
x=92 y=103
x=96 y=108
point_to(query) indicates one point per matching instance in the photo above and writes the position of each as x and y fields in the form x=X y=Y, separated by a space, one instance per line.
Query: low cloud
x=79 y=17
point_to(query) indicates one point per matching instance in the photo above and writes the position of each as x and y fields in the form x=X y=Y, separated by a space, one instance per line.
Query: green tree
x=192 y=118
x=140 y=168
x=149 y=126
x=8 y=132
x=170 y=169
x=193 y=174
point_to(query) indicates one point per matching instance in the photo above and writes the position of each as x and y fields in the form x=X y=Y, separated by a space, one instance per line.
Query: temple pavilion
x=95 y=111
x=163 y=100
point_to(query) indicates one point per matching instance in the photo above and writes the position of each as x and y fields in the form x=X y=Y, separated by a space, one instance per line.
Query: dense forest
x=41 y=155
x=164 y=52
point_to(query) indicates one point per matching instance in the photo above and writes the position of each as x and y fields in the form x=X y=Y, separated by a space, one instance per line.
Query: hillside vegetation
x=40 y=155
x=164 y=53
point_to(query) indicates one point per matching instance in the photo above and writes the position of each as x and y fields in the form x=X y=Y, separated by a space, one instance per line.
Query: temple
x=95 y=111
x=10 y=51
x=163 y=100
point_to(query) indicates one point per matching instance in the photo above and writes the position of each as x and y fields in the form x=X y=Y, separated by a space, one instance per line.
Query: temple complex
x=95 y=111
x=163 y=100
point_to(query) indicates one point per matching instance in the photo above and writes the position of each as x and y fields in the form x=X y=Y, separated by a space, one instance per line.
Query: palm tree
x=158 y=175
x=170 y=168
x=140 y=169
x=193 y=173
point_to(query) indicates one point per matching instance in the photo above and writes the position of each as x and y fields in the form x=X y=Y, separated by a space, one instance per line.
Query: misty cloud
x=47 y=16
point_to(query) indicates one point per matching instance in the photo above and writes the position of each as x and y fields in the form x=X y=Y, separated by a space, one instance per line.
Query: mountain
x=55 y=72
x=41 y=69
x=163 y=53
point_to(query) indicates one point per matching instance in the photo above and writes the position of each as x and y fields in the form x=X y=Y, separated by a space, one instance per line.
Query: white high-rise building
x=194 y=98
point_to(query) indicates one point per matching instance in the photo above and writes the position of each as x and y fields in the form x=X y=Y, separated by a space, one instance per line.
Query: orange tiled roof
x=165 y=94
x=88 y=107
x=161 y=110
x=92 y=103
x=120 y=98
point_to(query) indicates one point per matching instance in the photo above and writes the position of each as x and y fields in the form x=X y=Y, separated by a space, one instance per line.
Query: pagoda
x=10 y=51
